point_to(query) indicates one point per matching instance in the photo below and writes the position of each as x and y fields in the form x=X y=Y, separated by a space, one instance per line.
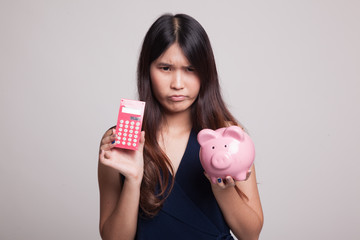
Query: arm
x=119 y=201
x=244 y=216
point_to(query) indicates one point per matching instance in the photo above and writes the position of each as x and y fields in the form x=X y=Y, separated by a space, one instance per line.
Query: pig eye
x=213 y=147
x=225 y=146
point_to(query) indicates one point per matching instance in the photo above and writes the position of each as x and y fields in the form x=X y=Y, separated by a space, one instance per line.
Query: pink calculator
x=128 y=127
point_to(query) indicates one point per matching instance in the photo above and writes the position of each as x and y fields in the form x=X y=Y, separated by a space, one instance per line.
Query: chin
x=178 y=107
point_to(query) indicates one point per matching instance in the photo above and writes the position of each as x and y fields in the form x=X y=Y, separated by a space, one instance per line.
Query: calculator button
x=134 y=144
x=117 y=142
x=121 y=121
x=119 y=133
x=131 y=127
x=121 y=125
x=124 y=134
x=134 y=140
x=137 y=128
x=131 y=131
x=130 y=135
x=135 y=136
x=132 y=123
x=126 y=126
x=123 y=143
x=129 y=139
x=124 y=138
x=137 y=124
x=125 y=130
x=120 y=129
x=136 y=132
x=128 y=144
x=126 y=122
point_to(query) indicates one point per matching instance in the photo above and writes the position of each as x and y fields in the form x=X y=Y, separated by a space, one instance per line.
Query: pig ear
x=206 y=135
x=235 y=132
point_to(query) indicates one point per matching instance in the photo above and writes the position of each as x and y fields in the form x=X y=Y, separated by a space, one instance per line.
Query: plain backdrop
x=289 y=71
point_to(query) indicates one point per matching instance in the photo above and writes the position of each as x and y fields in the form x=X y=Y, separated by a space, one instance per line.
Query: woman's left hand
x=224 y=183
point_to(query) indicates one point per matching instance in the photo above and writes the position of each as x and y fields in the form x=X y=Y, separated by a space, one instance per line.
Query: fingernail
x=219 y=180
x=113 y=142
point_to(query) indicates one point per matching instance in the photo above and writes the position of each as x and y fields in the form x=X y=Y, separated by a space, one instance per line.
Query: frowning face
x=174 y=81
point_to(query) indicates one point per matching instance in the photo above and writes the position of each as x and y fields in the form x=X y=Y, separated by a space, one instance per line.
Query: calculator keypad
x=128 y=133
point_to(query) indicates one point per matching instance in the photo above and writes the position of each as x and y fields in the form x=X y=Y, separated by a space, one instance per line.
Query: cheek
x=154 y=80
x=152 y=76
x=157 y=84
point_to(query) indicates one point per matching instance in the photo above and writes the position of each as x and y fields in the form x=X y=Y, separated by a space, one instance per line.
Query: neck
x=177 y=123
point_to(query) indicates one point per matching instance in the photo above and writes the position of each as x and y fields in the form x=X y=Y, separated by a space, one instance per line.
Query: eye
x=190 y=69
x=225 y=146
x=165 y=68
x=213 y=147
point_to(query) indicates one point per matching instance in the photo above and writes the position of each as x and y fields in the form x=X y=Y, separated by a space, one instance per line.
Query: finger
x=220 y=183
x=142 y=141
x=108 y=143
x=107 y=162
x=105 y=159
x=142 y=137
x=108 y=139
x=109 y=132
x=107 y=154
x=106 y=135
x=230 y=181
x=102 y=158
x=108 y=146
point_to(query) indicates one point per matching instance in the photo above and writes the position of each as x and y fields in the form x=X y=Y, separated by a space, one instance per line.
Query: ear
x=234 y=132
x=206 y=135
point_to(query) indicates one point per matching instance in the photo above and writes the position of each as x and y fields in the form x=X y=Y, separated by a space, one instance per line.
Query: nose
x=177 y=81
x=221 y=160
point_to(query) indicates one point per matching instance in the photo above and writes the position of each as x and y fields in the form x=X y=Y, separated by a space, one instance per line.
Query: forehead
x=173 y=55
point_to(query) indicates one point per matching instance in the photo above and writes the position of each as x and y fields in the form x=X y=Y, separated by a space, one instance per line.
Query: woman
x=161 y=191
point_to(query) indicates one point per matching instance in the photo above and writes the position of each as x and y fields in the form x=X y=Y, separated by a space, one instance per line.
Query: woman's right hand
x=130 y=163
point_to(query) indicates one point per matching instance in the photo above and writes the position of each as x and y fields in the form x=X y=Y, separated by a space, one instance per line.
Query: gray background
x=289 y=72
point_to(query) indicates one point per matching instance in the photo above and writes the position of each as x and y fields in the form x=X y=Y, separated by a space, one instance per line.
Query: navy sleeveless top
x=190 y=211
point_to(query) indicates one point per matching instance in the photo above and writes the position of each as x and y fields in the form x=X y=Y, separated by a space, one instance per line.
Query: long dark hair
x=208 y=111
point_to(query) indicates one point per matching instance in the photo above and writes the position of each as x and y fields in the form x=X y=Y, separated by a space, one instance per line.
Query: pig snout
x=221 y=160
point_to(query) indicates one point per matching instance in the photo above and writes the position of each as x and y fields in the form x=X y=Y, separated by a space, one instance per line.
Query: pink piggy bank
x=226 y=152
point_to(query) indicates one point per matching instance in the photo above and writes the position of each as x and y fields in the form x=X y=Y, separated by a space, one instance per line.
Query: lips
x=177 y=98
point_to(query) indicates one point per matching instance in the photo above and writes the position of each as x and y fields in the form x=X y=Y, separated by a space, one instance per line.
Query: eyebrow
x=162 y=64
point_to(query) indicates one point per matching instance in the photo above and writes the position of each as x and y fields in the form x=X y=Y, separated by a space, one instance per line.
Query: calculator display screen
x=134 y=118
x=131 y=110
